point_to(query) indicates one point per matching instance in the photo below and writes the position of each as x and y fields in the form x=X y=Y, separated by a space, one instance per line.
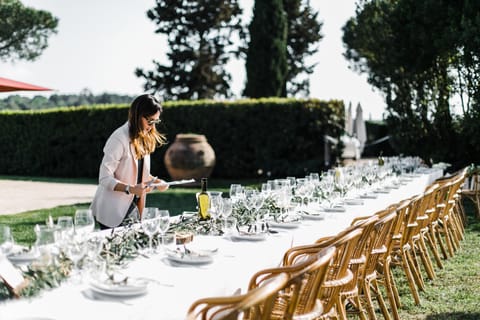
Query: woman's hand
x=139 y=189
x=161 y=185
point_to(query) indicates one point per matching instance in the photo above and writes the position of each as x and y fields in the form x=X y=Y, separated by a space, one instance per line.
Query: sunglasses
x=152 y=121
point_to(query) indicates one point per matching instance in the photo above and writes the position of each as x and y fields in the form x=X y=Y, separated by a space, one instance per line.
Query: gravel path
x=20 y=196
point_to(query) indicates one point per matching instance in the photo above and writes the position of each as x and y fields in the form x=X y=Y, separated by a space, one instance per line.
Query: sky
x=100 y=43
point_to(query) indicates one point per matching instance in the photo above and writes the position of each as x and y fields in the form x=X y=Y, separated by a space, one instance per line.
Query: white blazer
x=119 y=165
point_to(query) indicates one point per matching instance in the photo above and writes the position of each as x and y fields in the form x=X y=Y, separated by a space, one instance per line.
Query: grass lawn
x=454 y=294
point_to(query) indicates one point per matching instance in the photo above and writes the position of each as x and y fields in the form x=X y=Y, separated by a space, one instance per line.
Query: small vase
x=190 y=156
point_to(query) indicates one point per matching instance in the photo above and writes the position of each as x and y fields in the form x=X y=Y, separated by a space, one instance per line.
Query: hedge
x=251 y=138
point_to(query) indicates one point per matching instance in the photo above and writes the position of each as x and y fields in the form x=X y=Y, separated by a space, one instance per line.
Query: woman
x=124 y=176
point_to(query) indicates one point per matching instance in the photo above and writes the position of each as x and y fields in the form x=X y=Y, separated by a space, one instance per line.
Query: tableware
x=312 y=215
x=84 y=221
x=163 y=223
x=368 y=196
x=382 y=190
x=248 y=236
x=6 y=239
x=229 y=225
x=353 y=202
x=335 y=209
x=188 y=256
x=65 y=227
x=125 y=288
x=76 y=249
x=150 y=224
x=284 y=225
x=23 y=257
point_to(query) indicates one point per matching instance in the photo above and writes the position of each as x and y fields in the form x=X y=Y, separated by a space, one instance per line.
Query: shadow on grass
x=453 y=316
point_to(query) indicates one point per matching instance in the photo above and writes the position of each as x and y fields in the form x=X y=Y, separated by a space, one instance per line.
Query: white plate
x=196 y=257
x=131 y=288
x=23 y=257
x=313 y=216
x=284 y=225
x=248 y=236
x=368 y=196
x=335 y=209
x=353 y=202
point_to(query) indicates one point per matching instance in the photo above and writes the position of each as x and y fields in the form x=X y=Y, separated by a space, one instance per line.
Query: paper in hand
x=173 y=183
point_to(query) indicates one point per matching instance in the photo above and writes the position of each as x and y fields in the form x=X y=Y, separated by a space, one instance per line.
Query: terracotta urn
x=189 y=156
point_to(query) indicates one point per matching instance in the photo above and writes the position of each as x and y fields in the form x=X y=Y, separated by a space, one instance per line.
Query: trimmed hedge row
x=251 y=138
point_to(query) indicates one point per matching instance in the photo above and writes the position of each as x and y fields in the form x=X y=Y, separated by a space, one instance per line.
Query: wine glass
x=76 y=250
x=215 y=209
x=236 y=192
x=6 y=239
x=164 y=224
x=84 y=221
x=94 y=247
x=45 y=243
x=65 y=227
x=150 y=223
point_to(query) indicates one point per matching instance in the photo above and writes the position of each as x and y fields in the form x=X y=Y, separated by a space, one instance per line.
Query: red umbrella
x=12 y=85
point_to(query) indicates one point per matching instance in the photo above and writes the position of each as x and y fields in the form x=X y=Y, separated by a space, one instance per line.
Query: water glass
x=150 y=223
x=229 y=226
x=164 y=223
x=76 y=249
x=65 y=227
x=45 y=243
x=84 y=221
x=6 y=239
x=168 y=240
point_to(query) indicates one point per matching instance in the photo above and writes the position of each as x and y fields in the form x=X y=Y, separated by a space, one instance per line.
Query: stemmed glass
x=164 y=224
x=76 y=250
x=94 y=248
x=215 y=209
x=150 y=223
x=84 y=221
x=65 y=228
x=6 y=239
x=236 y=192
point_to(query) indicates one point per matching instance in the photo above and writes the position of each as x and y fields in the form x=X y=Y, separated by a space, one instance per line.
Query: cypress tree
x=266 y=64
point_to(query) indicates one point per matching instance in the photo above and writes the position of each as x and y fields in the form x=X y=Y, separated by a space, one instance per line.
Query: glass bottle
x=203 y=200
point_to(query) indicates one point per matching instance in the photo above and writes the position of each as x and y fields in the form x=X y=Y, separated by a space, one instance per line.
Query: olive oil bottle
x=203 y=200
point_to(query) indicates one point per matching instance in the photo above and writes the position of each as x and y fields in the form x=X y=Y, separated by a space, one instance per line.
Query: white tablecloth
x=175 y=288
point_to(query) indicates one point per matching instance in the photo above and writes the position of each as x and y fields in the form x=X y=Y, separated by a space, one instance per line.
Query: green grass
x=454 y=294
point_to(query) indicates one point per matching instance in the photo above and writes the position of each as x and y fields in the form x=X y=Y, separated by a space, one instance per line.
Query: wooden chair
x=401 y=252
x=385 y=264
x=338 y=274
x=446 y=225
x=472 y=191
x=300 y=298
x=255 y=304
x=377 y=251
x=418 y=240
x=350 y=293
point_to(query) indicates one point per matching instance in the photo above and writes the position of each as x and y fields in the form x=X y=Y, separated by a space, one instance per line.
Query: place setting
x=190 y=255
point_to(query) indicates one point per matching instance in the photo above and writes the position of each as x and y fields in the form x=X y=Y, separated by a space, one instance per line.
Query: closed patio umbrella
x=7 y=85
x=349 y=121
x=360 y=129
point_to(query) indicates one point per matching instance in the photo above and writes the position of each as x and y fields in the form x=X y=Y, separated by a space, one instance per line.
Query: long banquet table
x=175 y=287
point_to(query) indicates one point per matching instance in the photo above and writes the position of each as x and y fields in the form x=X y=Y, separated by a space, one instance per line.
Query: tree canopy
x=303 y=33
x=24 y=31
x=266 y=63
x=201 y=39
x=421 y=55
